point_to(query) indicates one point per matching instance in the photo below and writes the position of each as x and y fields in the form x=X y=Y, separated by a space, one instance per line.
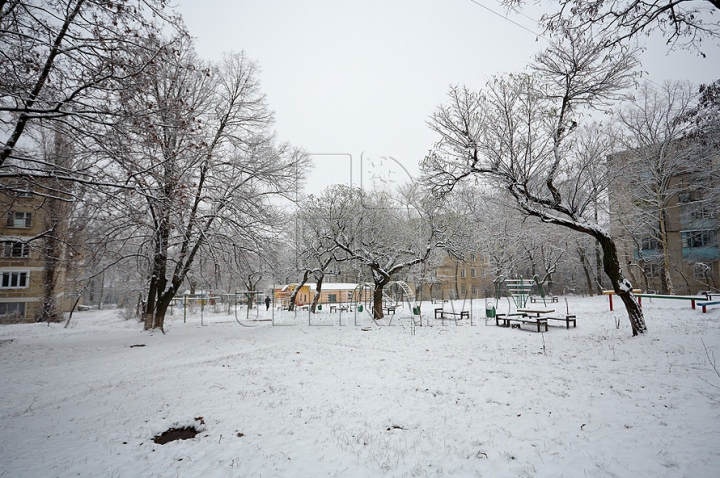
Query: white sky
x=362 y=77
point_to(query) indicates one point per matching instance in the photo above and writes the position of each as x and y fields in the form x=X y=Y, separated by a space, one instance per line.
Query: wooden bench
x=705 y=304
x=521 y=318
x=443 y=314
x=390 y=309
x=504 y=318
x=568 y=319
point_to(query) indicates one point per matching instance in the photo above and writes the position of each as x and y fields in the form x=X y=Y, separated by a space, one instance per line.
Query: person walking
x=267 y=302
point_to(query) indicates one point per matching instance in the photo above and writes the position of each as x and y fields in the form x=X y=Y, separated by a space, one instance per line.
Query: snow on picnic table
x=307 y=401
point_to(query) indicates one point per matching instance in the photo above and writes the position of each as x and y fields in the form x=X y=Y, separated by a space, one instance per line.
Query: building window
x=14 y=280
x=463 y=290
x=473 y=273
x=707 y=238
x=15 y=249
x=12 y=309
x=472 y=257
x=701 y=271
x=649 y=244
x=483 y=273
x=652 y=270
x=332 y=298
x=474 y=290
x=19 y=219
x=462 y=273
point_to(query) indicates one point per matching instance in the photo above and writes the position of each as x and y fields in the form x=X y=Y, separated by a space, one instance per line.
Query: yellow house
x=330 y=293
x=282 y=296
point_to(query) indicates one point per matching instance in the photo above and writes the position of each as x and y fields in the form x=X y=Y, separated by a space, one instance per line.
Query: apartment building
x=458 y=279
x=23 y=260
x=691 y=224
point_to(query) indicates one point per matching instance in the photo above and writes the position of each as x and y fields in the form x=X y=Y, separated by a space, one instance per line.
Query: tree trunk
x=161 y=310
x=584 y=263
x=621 y=286
x=193 y=286
x=318 y=289
x=102 y=291
x=378 y=302
x=457 y=273
x=48 y=311
x=380 y=282
x=53 y=252
x=56 y=221
x=667 y=284
x=598 y=252
x=599 y=267
x=293 y=295
x=158 y=281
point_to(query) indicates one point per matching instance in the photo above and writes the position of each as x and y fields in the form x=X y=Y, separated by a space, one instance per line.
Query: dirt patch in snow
x=173 y=434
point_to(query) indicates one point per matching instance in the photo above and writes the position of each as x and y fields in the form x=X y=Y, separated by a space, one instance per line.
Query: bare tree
x=681 y=22
x=654 y=155
x=195 y=144
x=518 y=135
x=60 y=60
x=318 y=251
x=381 y=232
x=704 y=121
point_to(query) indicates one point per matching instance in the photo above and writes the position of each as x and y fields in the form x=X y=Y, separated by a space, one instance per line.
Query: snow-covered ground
x=300 y=400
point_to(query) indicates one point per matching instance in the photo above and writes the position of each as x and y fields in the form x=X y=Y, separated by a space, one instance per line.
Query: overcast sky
x=363 y=76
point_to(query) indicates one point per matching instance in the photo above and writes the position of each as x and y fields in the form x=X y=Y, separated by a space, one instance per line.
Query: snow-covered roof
x=334 y=286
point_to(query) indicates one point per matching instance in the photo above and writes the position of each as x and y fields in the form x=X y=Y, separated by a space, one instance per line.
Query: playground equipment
x=363 y=296
x=402 y=293
x=519 y=289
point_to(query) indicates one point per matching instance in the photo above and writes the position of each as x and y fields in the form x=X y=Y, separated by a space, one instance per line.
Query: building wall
x=22 y=263
x=460 y=279
x=692 y=224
